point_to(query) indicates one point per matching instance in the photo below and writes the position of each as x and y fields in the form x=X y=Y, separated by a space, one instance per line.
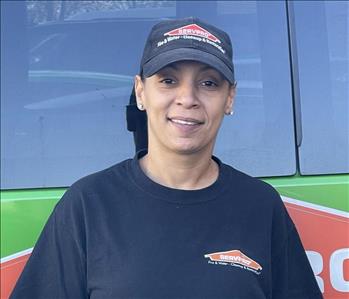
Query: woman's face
x=185 y=103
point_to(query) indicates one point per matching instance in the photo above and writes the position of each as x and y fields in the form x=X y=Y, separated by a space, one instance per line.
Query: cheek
x=154 y=100
x=216 y=119
x=157 y=111
x=215 y=111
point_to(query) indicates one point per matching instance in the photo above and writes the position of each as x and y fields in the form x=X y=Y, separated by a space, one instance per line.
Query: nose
x=187 y=96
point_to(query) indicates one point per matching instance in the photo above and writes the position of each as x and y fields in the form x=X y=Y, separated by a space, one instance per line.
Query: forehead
x=191 y=65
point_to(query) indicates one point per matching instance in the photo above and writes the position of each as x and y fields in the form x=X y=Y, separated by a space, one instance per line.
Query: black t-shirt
x=118 y=234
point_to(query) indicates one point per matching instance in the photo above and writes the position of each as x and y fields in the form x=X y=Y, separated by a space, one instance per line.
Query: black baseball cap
x=187 y=39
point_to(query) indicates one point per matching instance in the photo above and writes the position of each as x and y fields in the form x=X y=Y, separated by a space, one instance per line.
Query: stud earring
x=231 y=112
x=140 y=107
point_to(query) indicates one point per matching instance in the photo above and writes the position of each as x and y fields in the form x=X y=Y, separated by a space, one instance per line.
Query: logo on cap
x=195 y=30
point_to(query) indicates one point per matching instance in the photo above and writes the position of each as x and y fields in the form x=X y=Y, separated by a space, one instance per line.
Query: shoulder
x=257 y=198
x=94 y=182
x=248 y=185
x=89 y=192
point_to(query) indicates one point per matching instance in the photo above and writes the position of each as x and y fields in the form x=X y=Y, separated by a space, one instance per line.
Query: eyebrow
x=207 y=67
x=203 y=68
x=173 y=66
x=170 y=66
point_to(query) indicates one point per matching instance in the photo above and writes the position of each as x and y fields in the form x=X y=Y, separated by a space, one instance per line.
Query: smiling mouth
x=186 y=122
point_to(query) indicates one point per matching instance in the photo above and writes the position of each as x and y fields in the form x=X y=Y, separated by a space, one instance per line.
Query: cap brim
x=171 y=56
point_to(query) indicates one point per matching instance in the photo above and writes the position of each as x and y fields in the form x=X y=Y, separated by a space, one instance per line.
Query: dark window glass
x=323 y=66
x=67 y=74
x=259 y=137
x=67 y=69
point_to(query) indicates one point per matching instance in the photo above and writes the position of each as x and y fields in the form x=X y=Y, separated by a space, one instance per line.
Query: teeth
x=184 y=122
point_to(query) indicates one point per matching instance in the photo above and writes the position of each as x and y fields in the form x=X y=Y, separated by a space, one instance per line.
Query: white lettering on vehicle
x=336 y=267
x=337 y=270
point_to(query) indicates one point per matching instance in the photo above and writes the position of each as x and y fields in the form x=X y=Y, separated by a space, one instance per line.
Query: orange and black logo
x=234 y=258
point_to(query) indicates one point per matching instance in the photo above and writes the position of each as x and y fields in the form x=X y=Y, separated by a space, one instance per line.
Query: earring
x=231 y=112
x=140 y=107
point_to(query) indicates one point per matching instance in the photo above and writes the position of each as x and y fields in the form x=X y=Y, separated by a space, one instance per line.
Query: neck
x=180 y=171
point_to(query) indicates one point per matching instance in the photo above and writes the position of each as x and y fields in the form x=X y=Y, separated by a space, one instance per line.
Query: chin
x=188 y=149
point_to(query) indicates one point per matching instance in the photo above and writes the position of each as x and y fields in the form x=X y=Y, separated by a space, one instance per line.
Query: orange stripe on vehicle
x=325 y=237
x=10 y=271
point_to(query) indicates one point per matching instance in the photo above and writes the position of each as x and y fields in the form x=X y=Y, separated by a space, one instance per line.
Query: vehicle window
x=69 y=69
x=259 y=138
x=323 y=63
x=66 y=79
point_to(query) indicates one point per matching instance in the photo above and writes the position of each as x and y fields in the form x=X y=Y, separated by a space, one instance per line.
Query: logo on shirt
x=234 y=258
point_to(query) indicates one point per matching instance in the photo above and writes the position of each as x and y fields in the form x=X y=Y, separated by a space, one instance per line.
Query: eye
x=167 y=81
x=209 y=83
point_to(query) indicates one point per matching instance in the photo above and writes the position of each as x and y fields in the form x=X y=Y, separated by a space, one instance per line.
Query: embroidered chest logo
x=234 y=258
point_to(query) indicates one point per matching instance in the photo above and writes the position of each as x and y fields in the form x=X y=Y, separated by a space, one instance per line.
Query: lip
x=185 y=124
x=188 y=121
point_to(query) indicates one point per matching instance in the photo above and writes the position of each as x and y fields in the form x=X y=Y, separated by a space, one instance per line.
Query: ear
x=139 y=91
x=230 y=99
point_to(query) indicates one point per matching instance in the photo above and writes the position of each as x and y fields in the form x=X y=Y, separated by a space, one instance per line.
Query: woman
x=174 y=222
